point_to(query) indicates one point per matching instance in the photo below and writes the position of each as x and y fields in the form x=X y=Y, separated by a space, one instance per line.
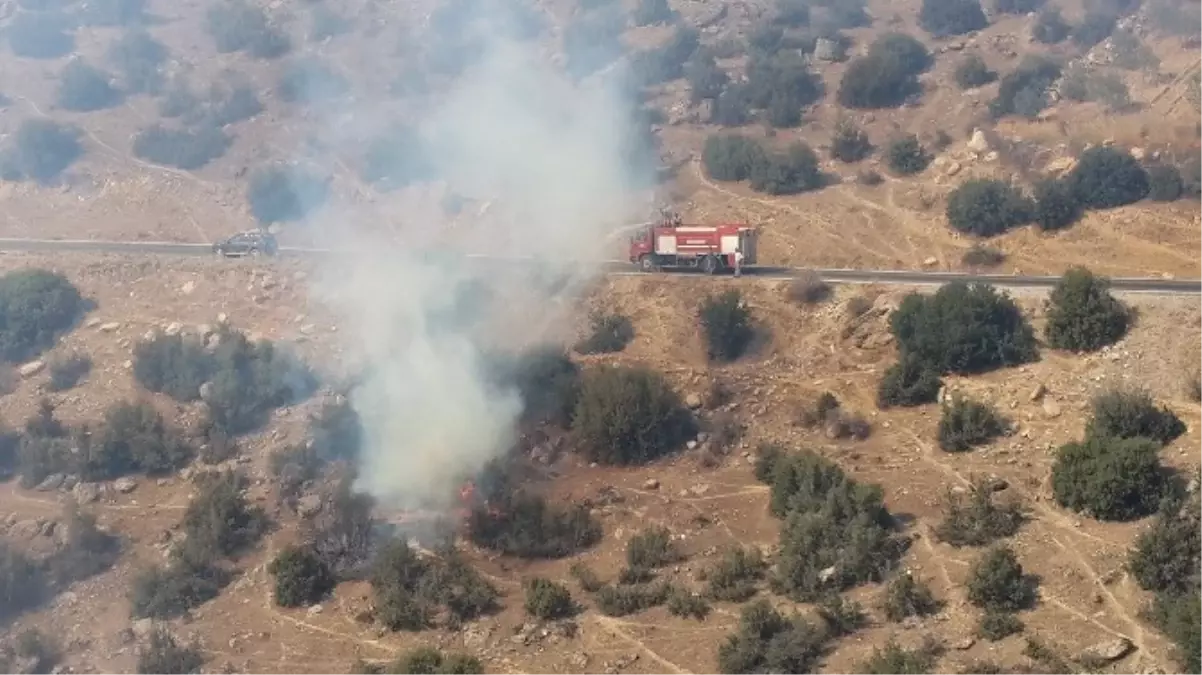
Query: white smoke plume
x=550 y=155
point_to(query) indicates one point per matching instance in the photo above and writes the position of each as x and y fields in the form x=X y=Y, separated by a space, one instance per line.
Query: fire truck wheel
x=646 y=263
x=709 y=265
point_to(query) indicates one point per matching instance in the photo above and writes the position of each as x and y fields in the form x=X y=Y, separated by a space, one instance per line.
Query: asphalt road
x=838 y=276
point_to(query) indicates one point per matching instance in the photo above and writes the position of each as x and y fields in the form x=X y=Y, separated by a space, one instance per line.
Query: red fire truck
x=712 y=248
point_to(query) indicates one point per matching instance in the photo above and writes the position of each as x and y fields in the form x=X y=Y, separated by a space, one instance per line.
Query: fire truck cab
x=710 y=248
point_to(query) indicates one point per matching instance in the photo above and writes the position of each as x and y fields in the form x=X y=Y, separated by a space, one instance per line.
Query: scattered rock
x=953 y=168
x=1038 y=392
x=109 y=327
x=32 y=368
x=931 y=261
x=142 y=628
x=826 y=50
x=223 y=318
x=125 y=485
x=188 y=287
x=965 y=643
x=1050 y=408
x=315 y=609
x=86 y=493
x=651 y=484
x=978 y=142
x=91 y=323
x=1060 y=166
x=206 y=391
x=308 y=505
x=174 y=328
x=693 y=401
x=691 y=445
x=1109 y=650
x=699 y=489
x=52 y=482
x=1138 y=153
x=826 y=574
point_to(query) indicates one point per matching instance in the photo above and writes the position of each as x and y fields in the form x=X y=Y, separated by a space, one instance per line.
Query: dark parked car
x=253 y=243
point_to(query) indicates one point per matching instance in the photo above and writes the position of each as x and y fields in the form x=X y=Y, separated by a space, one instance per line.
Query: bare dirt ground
x=1086 y=594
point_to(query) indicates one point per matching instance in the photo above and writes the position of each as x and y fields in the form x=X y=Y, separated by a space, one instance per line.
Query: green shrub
x=1178 y=617
x=733 y=578
x=620 y=601
x=997 y=582
x=1082 y=315
x=1081 y=83
x=1165 y=557
x=548 y=382
x=337 y=432
x=791 y=13
x=139 y=59
x=987 y=208
x=836 y=533
x=586 y=577
x=36 y=307
x=1111 y=478
x=906 y=596
x=807 y=288
x=285 y=194
x=963 y=328
x=1164 y=183
x=525 y=526
x=731 y=157
x=906 y=155
x=687 y=604
x=706 y=79
x=726 y=325
x=1024 y=91
x=1095 y=26
x=983 y=256
x=966 y=424
x=608 y=333
x=307 y=81
x=163 y=654
x=40 y=35
x=973 y=72
x=40 y=151
x=768 y=642
x=112 y=13
x=1056 y=205
x=786 y=173
x=1017 y=6
x=876 y=82
x=325 y=23
x=167 y=592
x=628 y=416
x=397 y=158
x=893 y=659
x=548 y=600
x=186 y=149
x=343 y=533
x=907 y=383
x=408 y=589
x=219 y=521
x=1131 y=414
x=951 y=17
x=431 y=661
x=1106 y=177
x=33 y=647
x=135 y=438
x=780 y=83
x=230 y=105
x=244 y=381
x=907 y=53
x=650 y=12
x=977 y=520
x=67 y=370
x=841 y=616
x=997 y=626
x=652 y=548
x=236 y=26
x=86 y=89
x=850 y=143
x=301 y=577
x=22 y=582
x=1050 y=27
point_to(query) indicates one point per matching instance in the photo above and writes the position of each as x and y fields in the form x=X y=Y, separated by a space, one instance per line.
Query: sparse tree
x=906 y=155
x=973 y=72
x=86 y=89
x=987 y=208
x=998 y=582
x=951 y=17
x=1106 y=177
x=850 y=143
x=1056 y=205
x=1082 y=315
x=1111 y=478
